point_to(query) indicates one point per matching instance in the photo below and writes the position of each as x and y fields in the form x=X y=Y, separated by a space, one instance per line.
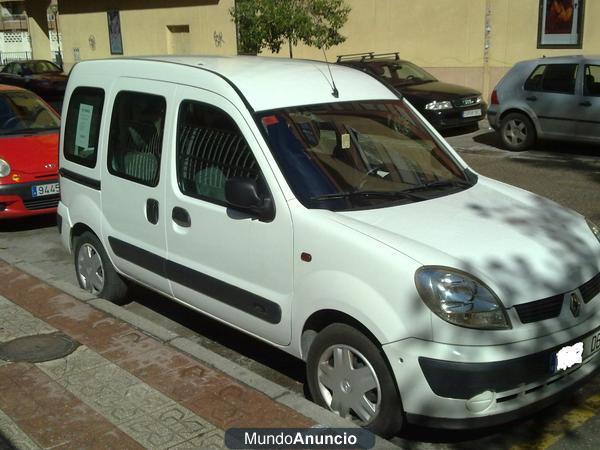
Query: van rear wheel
x=95 y=273
x=347 y=373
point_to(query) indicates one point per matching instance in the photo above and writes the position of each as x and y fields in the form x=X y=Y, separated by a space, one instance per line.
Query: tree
x=270 y=23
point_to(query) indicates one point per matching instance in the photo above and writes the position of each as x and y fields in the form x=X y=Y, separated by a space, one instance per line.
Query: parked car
x=330 y=221
x=444 y=105
x=548 y=98
x=29 y=131
x=42 y=77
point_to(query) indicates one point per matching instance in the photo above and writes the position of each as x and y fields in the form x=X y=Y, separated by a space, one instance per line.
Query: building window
x=114 y=32
x=560 y=24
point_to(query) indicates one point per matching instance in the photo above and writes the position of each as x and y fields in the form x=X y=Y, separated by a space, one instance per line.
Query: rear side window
x=592 y=81
x=210 y=150
x=559 y=78
x=135 y=139
x=82 y=126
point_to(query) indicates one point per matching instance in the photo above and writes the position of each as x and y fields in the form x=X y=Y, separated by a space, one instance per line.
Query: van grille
x=540 y=309
x=42 y=203
x=550 y=307
x=590 y=289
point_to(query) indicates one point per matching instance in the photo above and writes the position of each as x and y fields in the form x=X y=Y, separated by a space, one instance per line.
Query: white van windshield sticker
x=84 y=122
x=345 y=141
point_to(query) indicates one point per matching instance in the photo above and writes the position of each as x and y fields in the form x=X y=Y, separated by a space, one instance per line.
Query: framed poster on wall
x=560 y=24
x=114 y=32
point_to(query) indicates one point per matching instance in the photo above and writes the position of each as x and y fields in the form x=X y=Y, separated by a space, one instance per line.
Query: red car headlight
x=4 y=168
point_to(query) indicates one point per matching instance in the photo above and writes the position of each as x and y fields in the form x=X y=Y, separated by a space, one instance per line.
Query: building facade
x=469 y=42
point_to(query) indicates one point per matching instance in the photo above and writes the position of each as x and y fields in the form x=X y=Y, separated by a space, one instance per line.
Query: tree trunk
x=290 y=45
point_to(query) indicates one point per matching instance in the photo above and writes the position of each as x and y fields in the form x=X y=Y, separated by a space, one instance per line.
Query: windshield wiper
x=438 y=185
x=27 y=131
x=394 y=195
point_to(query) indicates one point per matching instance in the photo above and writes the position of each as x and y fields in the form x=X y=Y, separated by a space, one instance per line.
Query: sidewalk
x=121 y=388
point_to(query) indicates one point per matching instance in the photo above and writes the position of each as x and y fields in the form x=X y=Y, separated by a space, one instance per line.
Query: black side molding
x=229 y=294
x=81 y=179
x=138 y=256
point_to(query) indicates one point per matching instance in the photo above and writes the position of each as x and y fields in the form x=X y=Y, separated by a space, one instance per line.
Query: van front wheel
x=347 y=374
x=94 y=271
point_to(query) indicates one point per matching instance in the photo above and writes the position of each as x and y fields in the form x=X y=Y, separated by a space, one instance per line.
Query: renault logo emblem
x=50 y=166
x=575 y=304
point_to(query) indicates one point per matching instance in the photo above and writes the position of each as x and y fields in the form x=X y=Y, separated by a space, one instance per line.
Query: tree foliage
x=271 y=23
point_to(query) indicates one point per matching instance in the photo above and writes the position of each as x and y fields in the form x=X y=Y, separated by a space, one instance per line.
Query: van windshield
x=358 y=155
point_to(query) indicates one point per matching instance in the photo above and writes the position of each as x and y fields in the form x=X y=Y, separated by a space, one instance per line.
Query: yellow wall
x=144 y=30
x=445 y=36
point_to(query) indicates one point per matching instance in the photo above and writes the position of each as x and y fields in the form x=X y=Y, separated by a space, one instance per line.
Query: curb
x=271 y=389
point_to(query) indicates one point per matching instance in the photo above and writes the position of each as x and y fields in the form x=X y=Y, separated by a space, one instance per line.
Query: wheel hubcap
x=89 y=269
x=348 y=383
x=515 y=132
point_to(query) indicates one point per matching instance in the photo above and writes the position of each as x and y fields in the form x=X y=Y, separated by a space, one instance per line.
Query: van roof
x=271 y=82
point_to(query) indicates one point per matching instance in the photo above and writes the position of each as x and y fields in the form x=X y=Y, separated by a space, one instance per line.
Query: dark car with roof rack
x=444 y=105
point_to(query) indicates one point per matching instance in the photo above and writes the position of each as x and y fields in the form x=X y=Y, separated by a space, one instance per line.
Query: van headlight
x=438 y=106
x=460 y=299
x=4 y=168
x=595 y=228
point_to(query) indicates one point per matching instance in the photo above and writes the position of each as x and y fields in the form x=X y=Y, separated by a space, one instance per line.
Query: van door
x=134 y=179
x=221 y=261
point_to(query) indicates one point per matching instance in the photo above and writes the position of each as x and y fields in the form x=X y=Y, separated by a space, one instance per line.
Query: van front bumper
x=449 y=386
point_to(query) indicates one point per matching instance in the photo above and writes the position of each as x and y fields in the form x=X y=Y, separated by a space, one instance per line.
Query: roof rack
x=366 y=55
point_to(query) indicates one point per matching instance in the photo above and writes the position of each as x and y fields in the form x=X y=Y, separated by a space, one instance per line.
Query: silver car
x=548 y=98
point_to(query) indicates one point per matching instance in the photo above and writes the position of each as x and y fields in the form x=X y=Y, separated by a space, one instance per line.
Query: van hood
x=525 y=247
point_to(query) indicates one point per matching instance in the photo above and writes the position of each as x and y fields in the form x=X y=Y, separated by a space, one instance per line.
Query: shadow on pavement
x=239 y=344
x=564 y=148
x=27 y=223
x=460 y=131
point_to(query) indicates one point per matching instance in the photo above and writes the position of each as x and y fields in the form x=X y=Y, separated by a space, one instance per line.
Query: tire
x=95 y=273
x=517 y=132
x=332 y=388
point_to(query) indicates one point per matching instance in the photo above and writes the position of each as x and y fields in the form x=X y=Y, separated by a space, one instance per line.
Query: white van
x=309 y=206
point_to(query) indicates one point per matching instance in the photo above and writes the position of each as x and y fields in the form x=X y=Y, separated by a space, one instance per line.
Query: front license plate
x=472 y=113
x=45 y=189
x=571 y=355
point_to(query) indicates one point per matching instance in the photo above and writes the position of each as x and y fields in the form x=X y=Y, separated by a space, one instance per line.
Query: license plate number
x=45 y=189
x=571 y=355
x=472 y=113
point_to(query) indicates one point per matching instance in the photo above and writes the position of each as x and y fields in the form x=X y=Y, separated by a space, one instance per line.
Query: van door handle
x=586 y=103
x=532 y=98
x=152 y=211
x=181 y=217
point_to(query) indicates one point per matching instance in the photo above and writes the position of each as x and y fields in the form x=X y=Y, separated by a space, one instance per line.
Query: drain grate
x=38 y=348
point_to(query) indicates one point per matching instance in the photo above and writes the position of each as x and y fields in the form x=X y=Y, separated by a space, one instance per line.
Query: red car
x=29 y=131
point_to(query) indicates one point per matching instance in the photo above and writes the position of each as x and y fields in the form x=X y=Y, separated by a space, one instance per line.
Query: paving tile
x=213 y=440
x=14 y=435
x=152 y=364
x=80 y=360
x=151 y=433
x=126 y=346
x=182 y=421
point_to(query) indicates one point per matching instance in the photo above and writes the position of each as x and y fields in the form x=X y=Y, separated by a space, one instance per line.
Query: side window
x=82 y=126
x=135 y=139
x=592 y=81
x=210 y=150
x=558 y=78
x=534 y=82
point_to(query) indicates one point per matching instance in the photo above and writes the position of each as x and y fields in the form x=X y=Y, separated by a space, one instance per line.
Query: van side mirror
x=243 y=194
